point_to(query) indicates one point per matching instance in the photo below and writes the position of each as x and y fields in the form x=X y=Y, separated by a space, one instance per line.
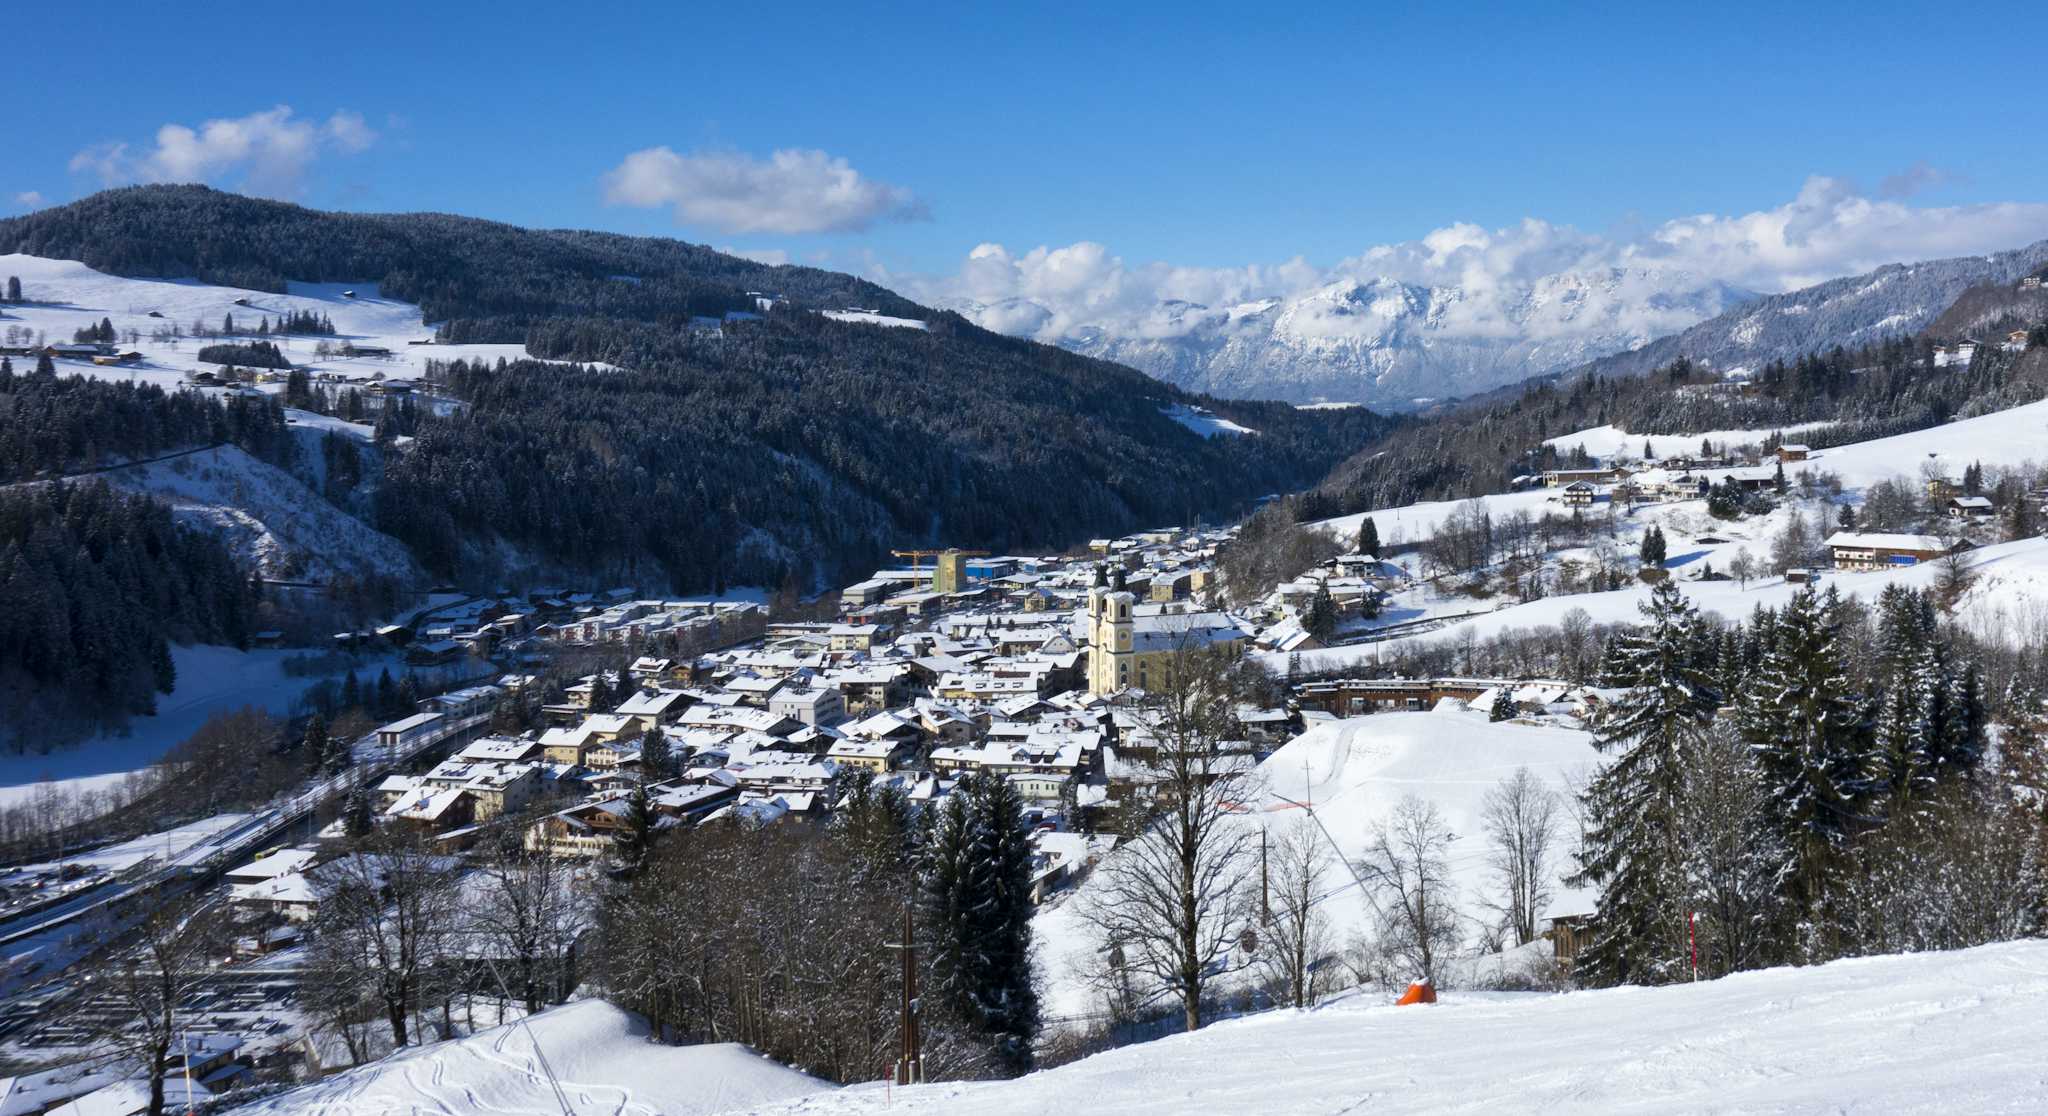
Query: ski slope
x=599 y=1054
x=1353 y=773
x=1953 y=1033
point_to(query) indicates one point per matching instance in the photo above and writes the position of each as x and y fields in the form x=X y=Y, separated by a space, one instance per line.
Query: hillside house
x=1970 y=507
x=1865 y=550
x=1579 y=494
x=1794 y=451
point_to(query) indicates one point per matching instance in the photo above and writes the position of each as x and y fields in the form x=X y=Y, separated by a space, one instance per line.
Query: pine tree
x=657 y=759
x=1368 y=537
x=357 y=820
x=1652 y=550
x=14 y=288
x=351 y=691
x=1813 y=749
x=977 y=892
x=1846 y=518
x=635 y=837
x=1633 y=849
x=315 y=743
x=1321 y=619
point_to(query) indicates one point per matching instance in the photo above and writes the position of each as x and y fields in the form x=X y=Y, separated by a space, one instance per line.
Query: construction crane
x=948 y=566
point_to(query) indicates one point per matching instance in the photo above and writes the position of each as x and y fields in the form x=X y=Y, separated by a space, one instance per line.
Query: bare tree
x=531 y=915
x=1520 y=818
x=1297 y=932
x=1953 y=578
x=1407 y=866
x=384 y=912
x=1175 y=898
x=1742 y=567
x=173 y=954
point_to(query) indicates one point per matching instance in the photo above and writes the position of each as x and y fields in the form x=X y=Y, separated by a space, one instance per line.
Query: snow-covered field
x=1205 y=422
x=870 y=318
x=211 y=679
x=1606 y=441
x=2012 y=437
x=599 y=1055
x=2007 y=603
x=1353 y=773
x=1953 y=1033
x=67 y=294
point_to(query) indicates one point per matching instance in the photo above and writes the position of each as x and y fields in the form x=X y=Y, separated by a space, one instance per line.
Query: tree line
x=1778 y=797
x=55 y=425
x=96 y=585
x=778 y=936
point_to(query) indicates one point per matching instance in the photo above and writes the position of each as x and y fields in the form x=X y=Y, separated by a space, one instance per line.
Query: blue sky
x=1208 y=137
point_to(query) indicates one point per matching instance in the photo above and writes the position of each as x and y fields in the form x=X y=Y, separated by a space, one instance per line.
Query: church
x=1130 y=642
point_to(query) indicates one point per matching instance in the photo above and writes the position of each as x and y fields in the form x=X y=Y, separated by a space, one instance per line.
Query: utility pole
x=909 y=1067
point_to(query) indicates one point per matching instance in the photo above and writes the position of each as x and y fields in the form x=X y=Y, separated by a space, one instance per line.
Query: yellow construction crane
x=949 y=566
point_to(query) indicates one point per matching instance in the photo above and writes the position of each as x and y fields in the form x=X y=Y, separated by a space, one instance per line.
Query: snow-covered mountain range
x=1389 y=343
x=1395 y=345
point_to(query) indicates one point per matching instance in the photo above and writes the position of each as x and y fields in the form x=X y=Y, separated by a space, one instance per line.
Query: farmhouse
x=1860 y=550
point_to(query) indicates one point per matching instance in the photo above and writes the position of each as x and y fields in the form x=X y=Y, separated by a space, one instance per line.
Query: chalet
x=2015 y=342
x=1794 y=451
x=1352 y=697
x=1561 y=478
x=1942 y=488
x=2031 y=283
x=1970 y=507
x=1579 y=494
x=1862 y=550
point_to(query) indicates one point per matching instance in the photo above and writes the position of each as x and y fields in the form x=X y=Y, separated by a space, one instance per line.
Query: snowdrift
x=1948 y=1032
x=599 y=1054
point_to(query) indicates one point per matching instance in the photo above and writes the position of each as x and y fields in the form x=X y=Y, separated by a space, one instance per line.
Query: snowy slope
x=2010 y=437
x=1606 y=441
x=66 y=295
x=1954 y=1033
x=599 y=1054
x=1353 y=773
x=268 y=518
x=2008 y=603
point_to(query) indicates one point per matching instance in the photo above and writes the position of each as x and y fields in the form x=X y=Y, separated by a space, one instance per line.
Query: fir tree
x=351 y=691
x=1652 y=550
x=1368 y=537
x=1633 y=848
x=635 y=838
x=357 y=820
x=657 y=759
x=1320 y=620
x=1811 y=741
x=315 y=742
x=14 y=288
x=978 y=904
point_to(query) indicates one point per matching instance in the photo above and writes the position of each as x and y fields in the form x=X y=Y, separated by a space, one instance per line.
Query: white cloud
x=1828 y=229
x=793 y=192
x=266 y=152
x=29 y=199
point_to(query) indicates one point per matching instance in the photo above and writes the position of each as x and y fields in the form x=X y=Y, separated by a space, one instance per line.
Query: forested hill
x=784 y=445
x=489 y=280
